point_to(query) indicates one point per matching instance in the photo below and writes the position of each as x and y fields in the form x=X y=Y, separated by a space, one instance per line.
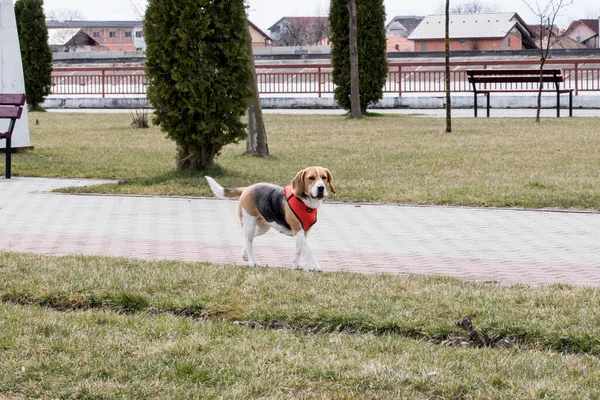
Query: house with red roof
x=584 y=32
x=482 y=31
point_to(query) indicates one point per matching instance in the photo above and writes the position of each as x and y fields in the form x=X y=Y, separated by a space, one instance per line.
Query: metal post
x=488 y=104
x=319 y=79
x=400 y=81
x=570 y=103
x=8 y=156
x=103 y=76
x=576 y=78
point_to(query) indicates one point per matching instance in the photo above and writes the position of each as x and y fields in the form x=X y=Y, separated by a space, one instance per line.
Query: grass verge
x=389 y=158
x=91 y=327
x=558 y=317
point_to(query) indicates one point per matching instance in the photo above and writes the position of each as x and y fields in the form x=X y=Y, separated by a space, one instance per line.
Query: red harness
x=306 y=215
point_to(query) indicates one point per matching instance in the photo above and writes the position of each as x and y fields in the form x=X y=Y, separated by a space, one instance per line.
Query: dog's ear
x=329 y=181
x=299 y=183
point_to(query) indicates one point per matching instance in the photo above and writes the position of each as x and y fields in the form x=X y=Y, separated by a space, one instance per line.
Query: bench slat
x=514 y=79
x=483 y=91
x=10 y=112
x=12 y=99
x=487 y=72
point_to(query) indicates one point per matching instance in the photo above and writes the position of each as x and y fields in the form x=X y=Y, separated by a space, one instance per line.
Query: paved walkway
x=509 y=246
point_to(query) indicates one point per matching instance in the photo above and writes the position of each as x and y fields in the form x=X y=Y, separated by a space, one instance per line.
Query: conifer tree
x=372 y=57
x=199 y=74
x=35 y=50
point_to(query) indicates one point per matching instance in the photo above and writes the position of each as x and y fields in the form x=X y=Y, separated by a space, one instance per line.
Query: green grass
x=557 y=317
x=92 y=327
x=389 y=158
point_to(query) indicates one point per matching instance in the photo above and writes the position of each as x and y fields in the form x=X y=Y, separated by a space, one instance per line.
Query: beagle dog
x=291 y=210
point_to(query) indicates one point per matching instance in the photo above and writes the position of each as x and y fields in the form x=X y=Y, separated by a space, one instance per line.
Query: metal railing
x=581 y=75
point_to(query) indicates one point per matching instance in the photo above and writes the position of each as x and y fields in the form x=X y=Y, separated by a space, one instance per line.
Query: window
x=138 y=34
x=112 y=34
x=509 y=41
x=128 y=34
x=96 y=34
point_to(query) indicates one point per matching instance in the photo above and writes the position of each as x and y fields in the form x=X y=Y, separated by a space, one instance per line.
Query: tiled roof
x=403 y=25
x=591 y=23
x=59 y=37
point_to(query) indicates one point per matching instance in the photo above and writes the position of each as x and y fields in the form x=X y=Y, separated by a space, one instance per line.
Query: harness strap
x=306 y=215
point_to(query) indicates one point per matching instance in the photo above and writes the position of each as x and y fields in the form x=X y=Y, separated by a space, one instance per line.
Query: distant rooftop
x=92 y=24
x=465 y=26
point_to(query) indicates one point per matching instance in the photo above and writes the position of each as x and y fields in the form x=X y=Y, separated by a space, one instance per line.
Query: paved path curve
x=505 y=245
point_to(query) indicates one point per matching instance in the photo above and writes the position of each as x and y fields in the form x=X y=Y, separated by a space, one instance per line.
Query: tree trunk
x=194 y=157
x=539 y=95
x=447 y=43
x=354 y=79
x=256 y=142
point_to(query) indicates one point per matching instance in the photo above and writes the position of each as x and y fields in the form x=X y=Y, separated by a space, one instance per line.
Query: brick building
x=128 y=36
x=493 y=31
x=111 y=35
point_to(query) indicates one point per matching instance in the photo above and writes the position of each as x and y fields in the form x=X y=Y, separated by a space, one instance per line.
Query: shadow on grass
x=170 y=183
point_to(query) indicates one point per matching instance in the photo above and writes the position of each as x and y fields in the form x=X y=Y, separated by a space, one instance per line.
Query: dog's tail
x=222 y=192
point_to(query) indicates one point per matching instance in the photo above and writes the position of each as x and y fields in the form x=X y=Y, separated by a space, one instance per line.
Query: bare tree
x=354 y=87
x=468 y=7
x=447 y=72
x=546 y=15
x=256 y=142
x=472 y=7
x=64 y=14
x=303 y=31
x=138 y=10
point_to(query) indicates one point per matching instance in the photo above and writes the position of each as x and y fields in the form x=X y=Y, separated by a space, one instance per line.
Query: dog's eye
x=311 y=178
x=324 y=178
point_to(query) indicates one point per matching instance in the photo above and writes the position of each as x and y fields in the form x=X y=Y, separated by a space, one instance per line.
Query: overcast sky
x=265 y=13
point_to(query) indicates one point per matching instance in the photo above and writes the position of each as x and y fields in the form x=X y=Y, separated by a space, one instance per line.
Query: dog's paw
x=297 y=266
x=315 y=268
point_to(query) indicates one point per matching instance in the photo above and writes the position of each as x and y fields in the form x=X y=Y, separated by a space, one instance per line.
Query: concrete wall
x=413 y=102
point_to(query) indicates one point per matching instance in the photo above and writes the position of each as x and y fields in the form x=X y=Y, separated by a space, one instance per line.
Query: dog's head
x=313 y=182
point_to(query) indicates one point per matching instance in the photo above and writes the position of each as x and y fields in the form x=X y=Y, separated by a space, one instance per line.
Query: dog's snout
x=320 y=189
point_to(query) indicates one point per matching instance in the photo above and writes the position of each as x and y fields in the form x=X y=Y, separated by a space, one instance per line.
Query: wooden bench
x=11 y=107
x=486 y=81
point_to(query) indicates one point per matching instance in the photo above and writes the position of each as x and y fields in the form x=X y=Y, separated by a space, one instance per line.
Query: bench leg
x=557 y=105
x=570 y=103
x=488 y=105
x=475 y=103
x=8 y=157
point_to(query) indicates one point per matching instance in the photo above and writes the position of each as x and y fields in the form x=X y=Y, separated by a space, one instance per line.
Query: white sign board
x=11 y=71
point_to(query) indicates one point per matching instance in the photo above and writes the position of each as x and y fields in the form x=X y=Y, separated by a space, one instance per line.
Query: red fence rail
x=582 y=75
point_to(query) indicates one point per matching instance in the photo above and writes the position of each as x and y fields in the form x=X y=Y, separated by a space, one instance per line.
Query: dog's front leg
x=297 y=252
x=302 y=245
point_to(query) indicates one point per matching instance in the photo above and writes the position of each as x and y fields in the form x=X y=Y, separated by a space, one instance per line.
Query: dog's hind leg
x=261 y=228
x=249 y=225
